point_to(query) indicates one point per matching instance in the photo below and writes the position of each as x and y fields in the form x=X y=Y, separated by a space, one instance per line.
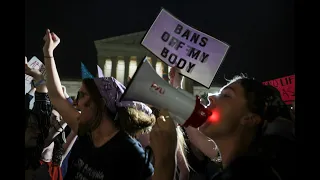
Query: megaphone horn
x=148 y=87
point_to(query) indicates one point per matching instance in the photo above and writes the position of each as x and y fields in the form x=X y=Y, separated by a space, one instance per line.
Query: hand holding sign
x=33 y=72
x=175 y=77
x=51 y=42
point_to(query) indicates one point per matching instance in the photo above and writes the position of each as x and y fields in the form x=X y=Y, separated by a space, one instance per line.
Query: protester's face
x=228 y=107
x=85 y=105
x=32 y=133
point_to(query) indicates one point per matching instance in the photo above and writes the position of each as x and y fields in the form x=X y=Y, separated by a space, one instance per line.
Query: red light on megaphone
x=214 y=117
x=199 y=115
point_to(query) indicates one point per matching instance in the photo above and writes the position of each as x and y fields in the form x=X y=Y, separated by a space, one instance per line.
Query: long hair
x=96 y=103
x=134 y=121
x=129 y=120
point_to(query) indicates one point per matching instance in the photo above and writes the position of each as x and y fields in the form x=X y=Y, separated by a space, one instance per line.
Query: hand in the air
x=51 y=42
x=175 y=77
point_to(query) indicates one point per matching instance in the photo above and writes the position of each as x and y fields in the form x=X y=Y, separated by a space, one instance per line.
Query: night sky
x=260 y=32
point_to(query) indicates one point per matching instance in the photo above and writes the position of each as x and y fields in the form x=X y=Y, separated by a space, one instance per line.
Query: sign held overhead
x=197 y=54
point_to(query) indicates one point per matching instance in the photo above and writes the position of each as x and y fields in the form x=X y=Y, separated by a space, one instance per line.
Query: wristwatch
x=38 y=83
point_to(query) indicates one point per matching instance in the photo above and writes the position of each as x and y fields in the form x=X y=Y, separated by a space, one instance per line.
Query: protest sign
x=197 y=54
x=34 y=63
x=286 y=87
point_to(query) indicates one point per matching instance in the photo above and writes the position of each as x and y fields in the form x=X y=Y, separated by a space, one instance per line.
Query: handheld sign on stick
x=197 y=54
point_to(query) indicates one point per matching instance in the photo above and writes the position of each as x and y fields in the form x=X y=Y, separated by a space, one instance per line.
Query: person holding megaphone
x=182 y=171
x=231 y=133
x=232 y=136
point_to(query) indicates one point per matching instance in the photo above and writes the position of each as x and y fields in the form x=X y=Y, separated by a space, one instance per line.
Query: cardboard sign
x=197 y=54
x=34 y=63
x=286 y=87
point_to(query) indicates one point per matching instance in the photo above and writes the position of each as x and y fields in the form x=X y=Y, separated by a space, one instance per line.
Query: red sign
x=286 y=87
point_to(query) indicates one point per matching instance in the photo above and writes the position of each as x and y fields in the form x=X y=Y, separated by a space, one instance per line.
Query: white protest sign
x=197 y=54
x=34 y=63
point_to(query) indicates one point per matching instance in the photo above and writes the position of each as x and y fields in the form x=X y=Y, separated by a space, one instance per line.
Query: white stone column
x=114 y=60
x=126 y=70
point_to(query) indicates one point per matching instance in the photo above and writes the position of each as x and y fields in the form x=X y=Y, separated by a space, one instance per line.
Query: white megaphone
x=148 y=87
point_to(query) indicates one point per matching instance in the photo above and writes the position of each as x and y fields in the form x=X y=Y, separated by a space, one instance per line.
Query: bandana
x=111 y=91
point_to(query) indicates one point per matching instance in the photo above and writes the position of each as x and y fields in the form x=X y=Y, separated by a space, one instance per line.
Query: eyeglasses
x=80 y=95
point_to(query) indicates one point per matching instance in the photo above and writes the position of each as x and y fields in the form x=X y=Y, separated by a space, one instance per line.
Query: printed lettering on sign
x=286 y=87
x=85 y=172
x=197 y=54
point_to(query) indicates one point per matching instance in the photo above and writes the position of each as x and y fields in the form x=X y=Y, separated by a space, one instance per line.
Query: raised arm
x=66 y=110
x=42 y=105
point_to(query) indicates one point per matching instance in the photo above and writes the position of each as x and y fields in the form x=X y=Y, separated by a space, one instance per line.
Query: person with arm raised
x=182 y=163
x=38 y=122
x=104 y=127
x=57 y=97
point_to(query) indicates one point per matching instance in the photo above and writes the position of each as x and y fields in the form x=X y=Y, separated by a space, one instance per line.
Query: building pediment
x=128 y=44
x=130 y=39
